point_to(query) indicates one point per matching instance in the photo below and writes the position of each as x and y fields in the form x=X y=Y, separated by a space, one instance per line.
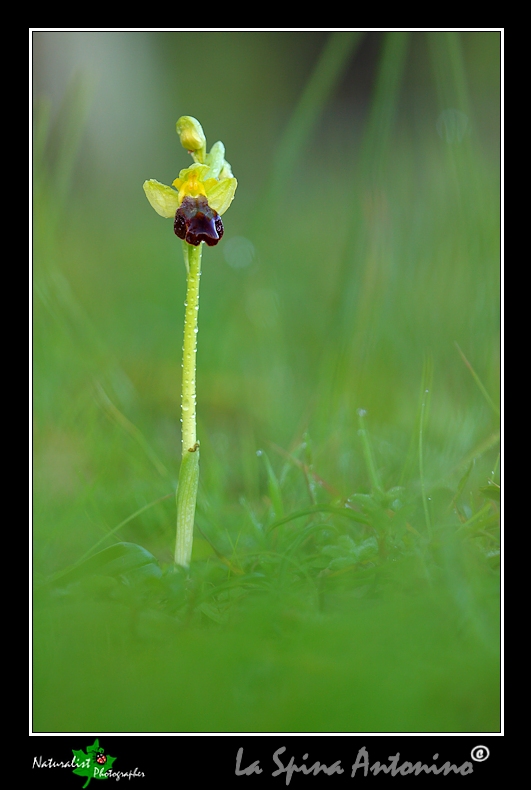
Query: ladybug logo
x=101 y=759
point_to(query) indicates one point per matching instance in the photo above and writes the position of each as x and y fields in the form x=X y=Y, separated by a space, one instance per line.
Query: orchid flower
x=196 y=200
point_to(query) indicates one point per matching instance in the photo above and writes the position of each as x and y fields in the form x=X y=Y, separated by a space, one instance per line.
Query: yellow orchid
x=202 y=191
x=196 y=200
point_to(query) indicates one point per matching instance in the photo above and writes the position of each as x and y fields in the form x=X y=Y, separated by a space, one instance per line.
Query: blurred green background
x=361 y=247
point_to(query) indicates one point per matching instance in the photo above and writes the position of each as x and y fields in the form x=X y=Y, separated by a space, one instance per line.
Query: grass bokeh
x=359 y=269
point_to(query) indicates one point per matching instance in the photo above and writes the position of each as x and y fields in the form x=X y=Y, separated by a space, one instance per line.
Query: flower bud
x=192 y=136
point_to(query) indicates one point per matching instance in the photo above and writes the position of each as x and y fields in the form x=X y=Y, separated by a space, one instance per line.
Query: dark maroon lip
x=196 y=221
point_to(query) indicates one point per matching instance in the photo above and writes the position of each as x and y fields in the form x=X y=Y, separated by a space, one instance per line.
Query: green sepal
x=221 y=195
x=216 y=159
x=164 y=200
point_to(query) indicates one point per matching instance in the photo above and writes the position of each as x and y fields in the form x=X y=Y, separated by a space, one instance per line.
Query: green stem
x=193 y=261
x=189 y=471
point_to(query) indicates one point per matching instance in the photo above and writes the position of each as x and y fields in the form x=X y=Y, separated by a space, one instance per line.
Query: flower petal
x=226 y=171
x=221 y=194
x=198 y=170
x=164 y=200
x=216 y=159
x=209 y=183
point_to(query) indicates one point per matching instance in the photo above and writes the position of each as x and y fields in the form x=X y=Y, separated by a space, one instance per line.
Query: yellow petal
x=191 y=187
x=209 y=183
x=221 y=194
x=197 y=170
x=164 y=200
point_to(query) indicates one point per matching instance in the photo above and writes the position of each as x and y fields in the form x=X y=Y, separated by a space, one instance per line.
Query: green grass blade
x=480 y=384
x=273 y=486
x=309 y=511
x=425 y=396
x=339 y=49
x=368 y=452
x=461 y=485
x=377 y=136
x=107 y=535
x=449 y=71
